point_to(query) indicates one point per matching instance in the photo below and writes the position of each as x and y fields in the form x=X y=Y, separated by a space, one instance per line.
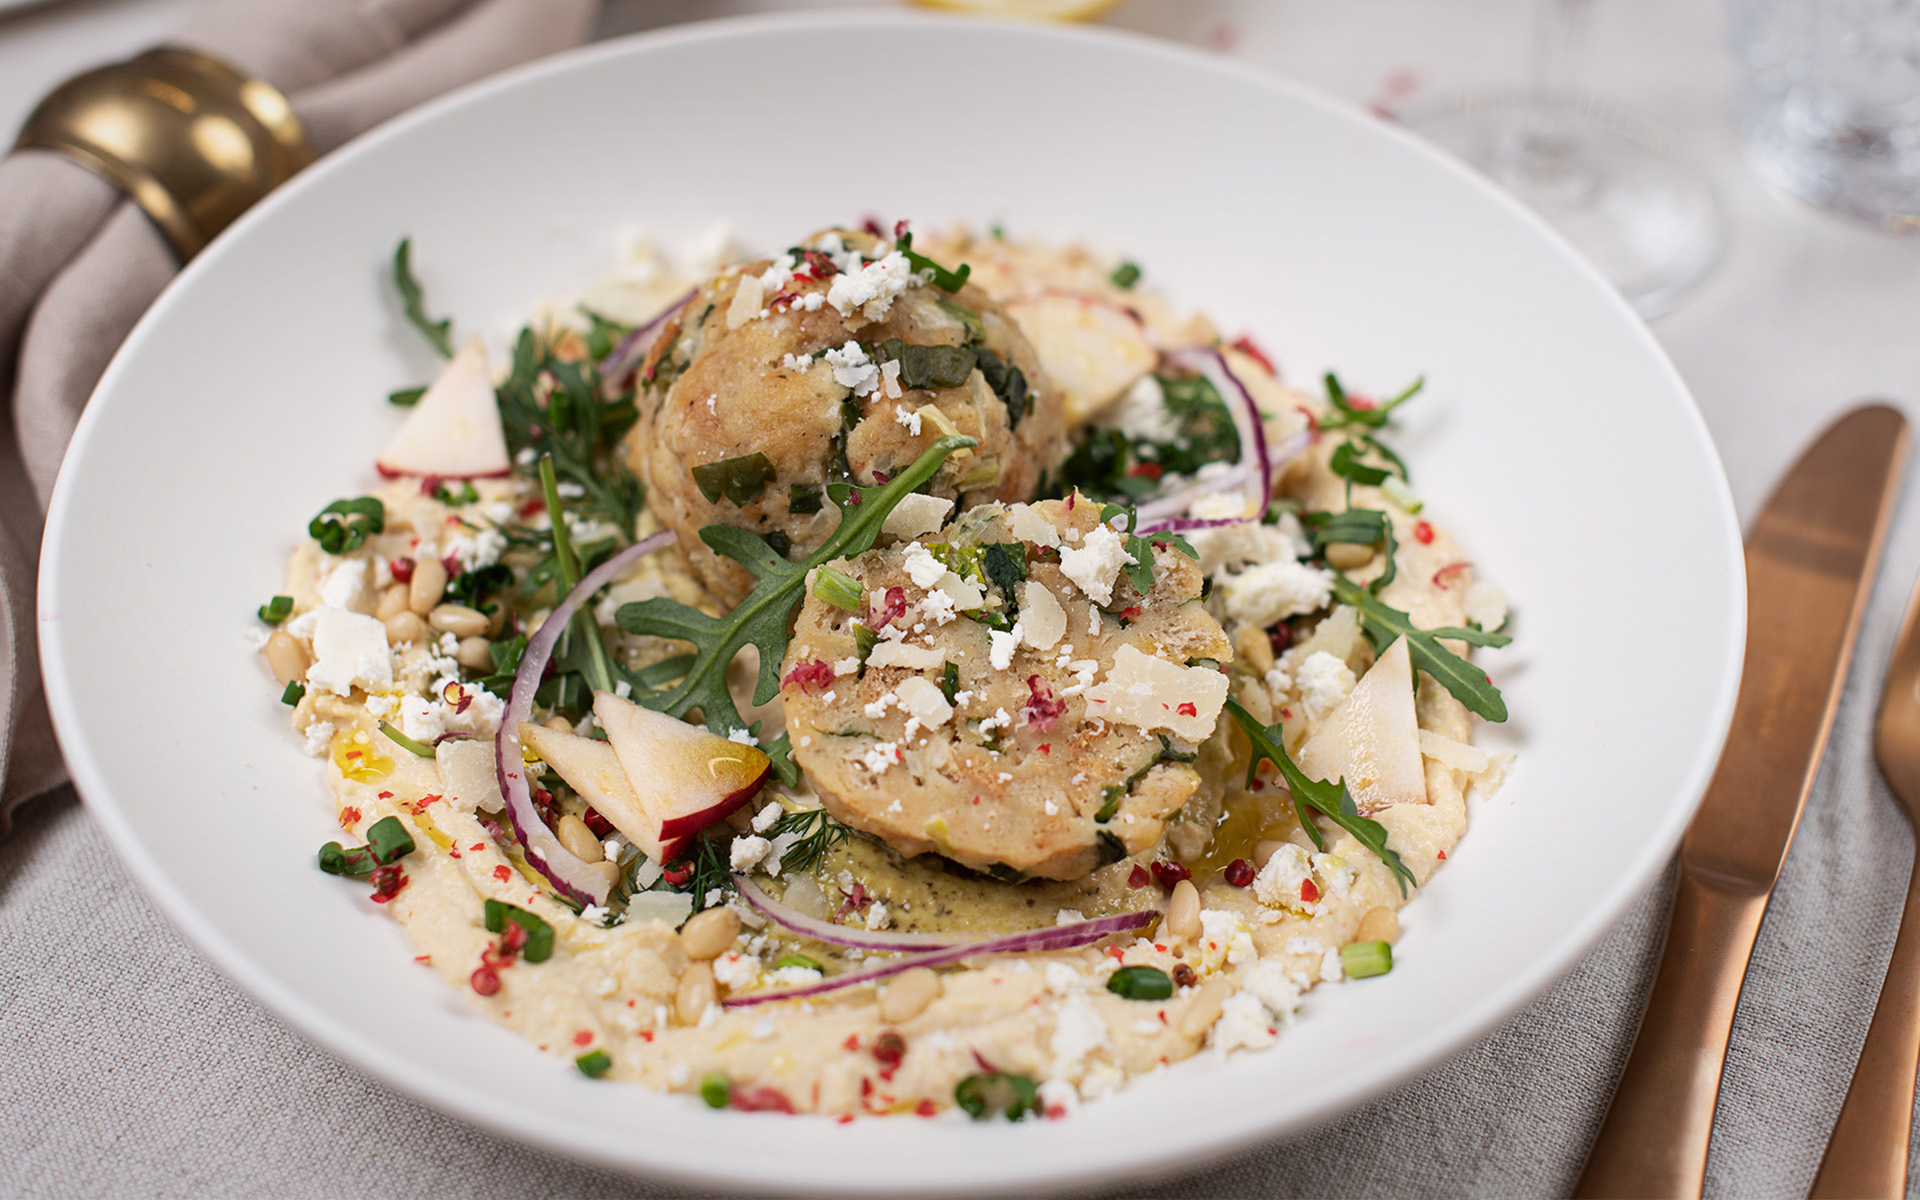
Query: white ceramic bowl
x=1554 y=438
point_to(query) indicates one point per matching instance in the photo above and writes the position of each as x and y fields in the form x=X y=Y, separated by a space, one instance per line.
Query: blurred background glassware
x=1598 y=174
x=1830 y=102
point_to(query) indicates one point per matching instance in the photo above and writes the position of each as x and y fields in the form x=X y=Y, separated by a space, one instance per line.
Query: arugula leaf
x=761 y=619
x=1382 y=624
x=803 y=498
x=575 y=423
x=438 y=333
x=1356 y=526
x=1347 y=414
x=1345 y=462
x=947 y=281
x=599 y=668
x=406 y=397
x=1331 y=800
x=1140 y=548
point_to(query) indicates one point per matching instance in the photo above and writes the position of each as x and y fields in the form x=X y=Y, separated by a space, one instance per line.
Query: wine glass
x=1597 y=174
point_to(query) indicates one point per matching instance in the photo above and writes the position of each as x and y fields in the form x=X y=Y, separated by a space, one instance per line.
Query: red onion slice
x=1060 y=937
x=632 y=348
x=1189 y=524
x=841 y=935
x=571 y=876
x=1259 y=464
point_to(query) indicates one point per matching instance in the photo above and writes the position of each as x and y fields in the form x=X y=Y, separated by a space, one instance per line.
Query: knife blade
x=1811 y=558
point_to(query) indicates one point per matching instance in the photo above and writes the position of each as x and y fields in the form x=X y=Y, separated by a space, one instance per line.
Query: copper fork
x=1867 y=1155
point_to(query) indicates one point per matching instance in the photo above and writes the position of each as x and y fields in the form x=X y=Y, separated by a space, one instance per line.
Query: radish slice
x=632 y=348
x=1061 y=937
x=841 y=935
x=571 y=876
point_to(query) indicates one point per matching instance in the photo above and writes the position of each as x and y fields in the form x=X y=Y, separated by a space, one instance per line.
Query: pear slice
x=1373 y=740
x=593 y=769
x=454 y=430
x=685 y=776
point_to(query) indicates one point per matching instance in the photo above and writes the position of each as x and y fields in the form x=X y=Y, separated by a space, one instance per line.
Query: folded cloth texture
x=79 y=262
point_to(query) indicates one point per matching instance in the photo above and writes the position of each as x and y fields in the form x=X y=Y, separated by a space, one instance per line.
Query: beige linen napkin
x=79 y=262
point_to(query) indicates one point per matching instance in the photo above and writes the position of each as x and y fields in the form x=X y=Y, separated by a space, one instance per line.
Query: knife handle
x=1867 y=1155
x=1654 y=1140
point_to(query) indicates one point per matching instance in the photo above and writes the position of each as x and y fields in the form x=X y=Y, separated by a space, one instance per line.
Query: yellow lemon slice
x=1029 y=10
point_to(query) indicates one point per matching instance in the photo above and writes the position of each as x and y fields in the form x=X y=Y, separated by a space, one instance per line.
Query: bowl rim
x=1468 y=1025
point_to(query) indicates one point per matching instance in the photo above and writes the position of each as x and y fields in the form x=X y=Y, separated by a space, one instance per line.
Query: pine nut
x=695 y=993
x=496 y=620
x=287 y=657
x=1380 y=924
x=475 y=653
x=579 y=840
x=1254 y=649
x=709 y=932
x=429 y=584
x=1348 y=556
x=405 y=628
x=1204 y=1009
x=560 y=723
x=1183 y=912
x=393 y=602
x=457 y=619
x=908 y=995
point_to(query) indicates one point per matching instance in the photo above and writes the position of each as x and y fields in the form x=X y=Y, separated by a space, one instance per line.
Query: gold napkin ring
x=192 y=140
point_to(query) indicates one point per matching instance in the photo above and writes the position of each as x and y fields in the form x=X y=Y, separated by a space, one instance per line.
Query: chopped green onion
x=406 y=397
x=439 y=333
x=864 y=640
x=984 y=473
x=1125 y=275
x=947 y=281
x=594 y=1064
x=1141 y=983
x=997 y=1091
x=716 y=1089
x=539 y=945
x=389 y=839
x=405 y=742
x=798 y=960
x=1396 y=490
x=336 y=859
x=1365 y=959
x=1110 y=797
x=838 y=589
x=276 y=610
x=294 y=693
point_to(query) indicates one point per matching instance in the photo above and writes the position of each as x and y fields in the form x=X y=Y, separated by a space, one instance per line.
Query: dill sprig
x=818 y=831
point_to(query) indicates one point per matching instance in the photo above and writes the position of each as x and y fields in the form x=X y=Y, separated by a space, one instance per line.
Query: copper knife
x=1811 y=559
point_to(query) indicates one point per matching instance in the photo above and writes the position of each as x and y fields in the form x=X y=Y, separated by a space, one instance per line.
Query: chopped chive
x=1125 y=275
x=838 y=589
x=864 y=640
x=464 y=494
x=799 y=960
x=1141 y=983
x=388 y=839
x=1365 y=959
x=594 y=1064
x=294 y=693
x=405 y=742
x=406 y=397
x=716 y=1089
x=276 y=610
x=539 y=945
